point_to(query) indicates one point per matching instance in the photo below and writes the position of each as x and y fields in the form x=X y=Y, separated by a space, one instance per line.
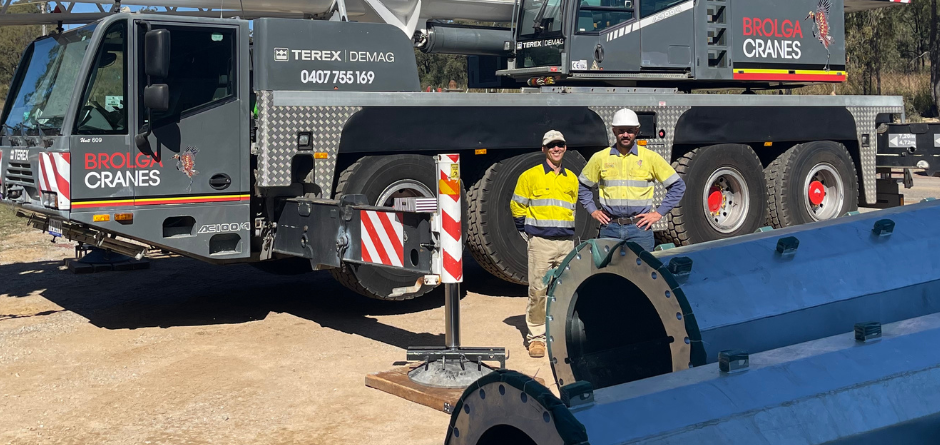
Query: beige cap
x=551 y=136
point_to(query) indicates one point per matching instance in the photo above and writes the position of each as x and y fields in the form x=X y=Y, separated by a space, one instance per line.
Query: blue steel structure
x=625 y=326
x=833 y=390
x=617 y=313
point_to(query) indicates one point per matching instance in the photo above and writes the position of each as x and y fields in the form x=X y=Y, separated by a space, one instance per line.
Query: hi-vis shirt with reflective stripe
x=625 y=182
x=543 y=202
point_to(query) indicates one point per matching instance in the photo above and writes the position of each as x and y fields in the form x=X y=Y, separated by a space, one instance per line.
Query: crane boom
x=407 y=15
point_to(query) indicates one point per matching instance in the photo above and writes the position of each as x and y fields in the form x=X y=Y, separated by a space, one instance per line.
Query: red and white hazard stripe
x=382 y=237
x=55 y=176
x=448 y=197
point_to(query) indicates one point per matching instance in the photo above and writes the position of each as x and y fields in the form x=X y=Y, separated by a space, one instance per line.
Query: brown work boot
x=537 y=349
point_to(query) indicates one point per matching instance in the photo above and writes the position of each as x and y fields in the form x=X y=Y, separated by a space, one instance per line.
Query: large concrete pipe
x=617 y=313
x=836 y=390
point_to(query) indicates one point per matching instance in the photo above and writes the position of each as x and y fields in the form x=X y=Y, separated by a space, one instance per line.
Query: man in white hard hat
x=543 y=208
x=624 y=176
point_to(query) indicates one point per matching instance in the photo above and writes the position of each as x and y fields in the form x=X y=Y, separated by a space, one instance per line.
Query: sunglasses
x=555 y=144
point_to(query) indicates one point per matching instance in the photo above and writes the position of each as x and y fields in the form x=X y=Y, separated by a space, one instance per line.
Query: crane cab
x=678 y=43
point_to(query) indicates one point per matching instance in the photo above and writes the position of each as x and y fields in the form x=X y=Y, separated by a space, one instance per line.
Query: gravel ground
x=190 y=353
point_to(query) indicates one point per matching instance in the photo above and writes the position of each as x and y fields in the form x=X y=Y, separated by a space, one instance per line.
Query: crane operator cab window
x=598 y=15
x=103 y=110
x=201 y=74
x=539 y=40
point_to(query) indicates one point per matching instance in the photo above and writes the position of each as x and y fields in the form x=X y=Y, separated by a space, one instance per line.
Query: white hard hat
x=625 y=118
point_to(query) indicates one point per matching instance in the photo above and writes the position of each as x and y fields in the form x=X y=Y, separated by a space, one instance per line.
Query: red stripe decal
x=452 y=266
x=160 y=201
x=59 y=180
x=376 y=241
x=450 y=225
x=43 y=176
x=791 y=77
x=392 y=235
x=454 y=158
x=365 y=253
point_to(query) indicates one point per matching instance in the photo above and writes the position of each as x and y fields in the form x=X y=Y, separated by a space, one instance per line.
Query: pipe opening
x=614 y=334
x=505 y=435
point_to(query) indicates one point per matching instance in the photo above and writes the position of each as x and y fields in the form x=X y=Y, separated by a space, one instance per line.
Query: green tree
x=934 y=57
x=13 y=40
x=437 y=70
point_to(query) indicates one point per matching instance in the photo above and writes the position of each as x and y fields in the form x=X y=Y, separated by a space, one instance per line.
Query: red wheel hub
x=715 y=199
x=817 y=193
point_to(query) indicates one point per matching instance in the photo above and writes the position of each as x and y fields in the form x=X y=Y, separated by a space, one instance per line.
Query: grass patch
x=9 y=223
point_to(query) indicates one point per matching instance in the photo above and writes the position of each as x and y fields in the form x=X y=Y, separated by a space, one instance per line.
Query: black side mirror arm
x=142 y=139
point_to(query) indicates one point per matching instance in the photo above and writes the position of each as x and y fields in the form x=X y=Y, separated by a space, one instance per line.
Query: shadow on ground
x=186 y=292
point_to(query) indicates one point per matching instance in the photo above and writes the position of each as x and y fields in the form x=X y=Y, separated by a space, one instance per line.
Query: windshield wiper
x=539 y=26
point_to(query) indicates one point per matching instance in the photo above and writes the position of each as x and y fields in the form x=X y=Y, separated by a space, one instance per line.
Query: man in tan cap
x=543 y=208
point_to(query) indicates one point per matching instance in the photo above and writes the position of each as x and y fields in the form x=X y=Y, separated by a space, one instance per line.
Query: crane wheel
x=492 y=237
x=725 y=195
x=382 y=179
x=811 y=182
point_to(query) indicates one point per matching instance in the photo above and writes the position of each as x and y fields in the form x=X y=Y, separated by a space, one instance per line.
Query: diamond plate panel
x=666 y=118
x=277 y=140
x=865 y=124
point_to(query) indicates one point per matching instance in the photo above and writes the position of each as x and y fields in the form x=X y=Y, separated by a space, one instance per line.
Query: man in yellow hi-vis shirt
x=543 y=209
x=624 y=176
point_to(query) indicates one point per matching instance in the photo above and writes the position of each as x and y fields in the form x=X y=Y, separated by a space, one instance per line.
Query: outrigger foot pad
x=93 y=260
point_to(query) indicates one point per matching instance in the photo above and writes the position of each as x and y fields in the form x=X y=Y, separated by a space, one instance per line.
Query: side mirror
x=157 y=53
x=157 y=97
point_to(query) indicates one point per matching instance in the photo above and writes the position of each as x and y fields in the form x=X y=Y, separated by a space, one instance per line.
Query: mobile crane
x=186 y=132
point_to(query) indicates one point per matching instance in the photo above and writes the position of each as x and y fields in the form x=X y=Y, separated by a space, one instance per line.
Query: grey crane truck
x=234 y=144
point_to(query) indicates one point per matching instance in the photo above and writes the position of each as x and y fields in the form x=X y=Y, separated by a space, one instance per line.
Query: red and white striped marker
x=55 y=176
x=448 y=198
x=382 y=237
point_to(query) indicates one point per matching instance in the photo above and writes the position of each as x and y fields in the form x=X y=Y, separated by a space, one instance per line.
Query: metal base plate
x=449 y=373
x=101 y=260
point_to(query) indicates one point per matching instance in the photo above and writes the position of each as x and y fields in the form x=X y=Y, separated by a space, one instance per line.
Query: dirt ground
x=190 y=353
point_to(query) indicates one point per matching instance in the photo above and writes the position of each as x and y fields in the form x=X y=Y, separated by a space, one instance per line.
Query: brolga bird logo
x=821 y=26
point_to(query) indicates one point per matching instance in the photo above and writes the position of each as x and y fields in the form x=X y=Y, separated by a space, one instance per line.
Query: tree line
x=892 y=51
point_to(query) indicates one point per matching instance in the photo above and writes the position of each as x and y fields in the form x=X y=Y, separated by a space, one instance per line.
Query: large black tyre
x=725 y=195
x=492 y=237
x=377 y=177
x=823 y=169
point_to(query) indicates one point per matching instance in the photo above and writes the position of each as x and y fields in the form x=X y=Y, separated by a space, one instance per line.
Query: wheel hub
x=825 y=192
x=817 y=193
x=715 y=200
x=726 y=200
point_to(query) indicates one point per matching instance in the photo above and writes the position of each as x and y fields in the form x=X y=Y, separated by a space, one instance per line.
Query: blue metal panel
x=814 y=392
x=746 y=295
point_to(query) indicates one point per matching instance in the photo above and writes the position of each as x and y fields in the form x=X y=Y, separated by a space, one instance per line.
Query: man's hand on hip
x=600 y=216
x=646 y=220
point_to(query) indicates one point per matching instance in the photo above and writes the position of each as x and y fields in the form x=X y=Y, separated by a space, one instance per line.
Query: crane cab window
x=103 y=110
x=201 y=74
x=650 y=7
x=597 y=15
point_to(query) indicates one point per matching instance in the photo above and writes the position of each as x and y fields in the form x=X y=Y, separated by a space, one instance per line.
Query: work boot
x=537 y=349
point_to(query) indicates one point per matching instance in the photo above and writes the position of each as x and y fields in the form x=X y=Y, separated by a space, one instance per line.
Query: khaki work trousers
x=544 y=254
